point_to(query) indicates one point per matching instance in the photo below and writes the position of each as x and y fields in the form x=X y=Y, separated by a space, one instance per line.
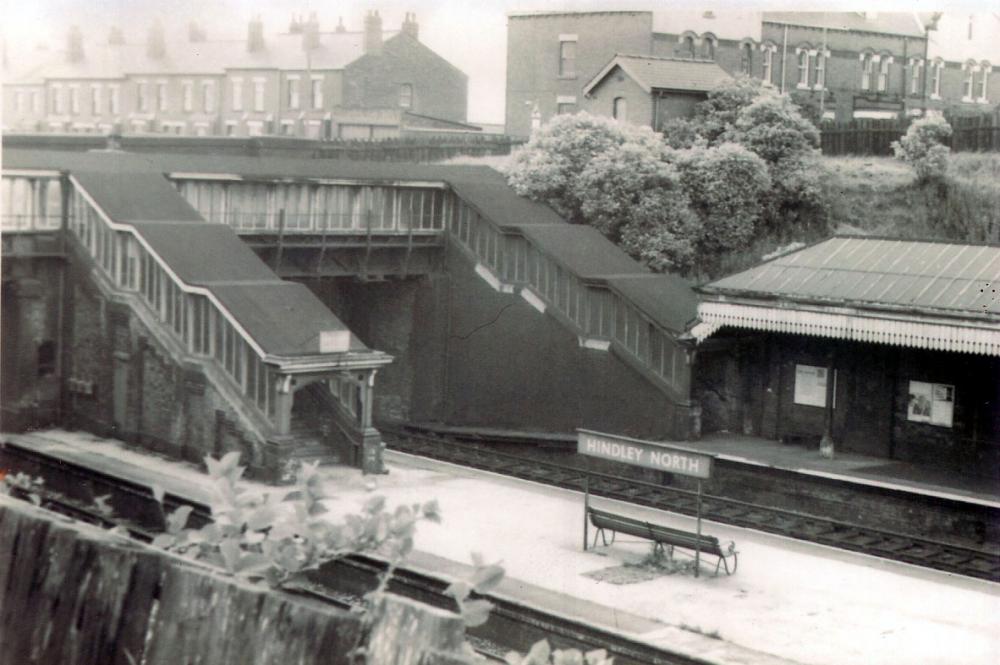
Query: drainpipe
x=784 y=58
x=927 y=67
x=822 y=90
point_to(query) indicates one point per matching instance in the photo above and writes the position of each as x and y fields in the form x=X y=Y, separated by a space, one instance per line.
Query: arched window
x=986 y=68
x=969 y=80
x=406 y=95
x=746 y=58
x=803 y=62
x=687 y=47
x=619 y=109
x=867 y=70
x=936 y=77
x=708 y=47
x=883 y=72
x=768 y=50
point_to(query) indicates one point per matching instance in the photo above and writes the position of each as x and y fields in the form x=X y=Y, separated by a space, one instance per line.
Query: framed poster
x=810 y=385
x=932 y=403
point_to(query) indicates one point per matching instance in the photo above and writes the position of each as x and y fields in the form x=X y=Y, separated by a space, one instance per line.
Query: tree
x=726 y=185
x=773 y=127
x=720 y=110
x=923 y=147
x=547 y=168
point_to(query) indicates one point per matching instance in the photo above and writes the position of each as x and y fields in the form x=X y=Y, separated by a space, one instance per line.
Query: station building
x=891 y=348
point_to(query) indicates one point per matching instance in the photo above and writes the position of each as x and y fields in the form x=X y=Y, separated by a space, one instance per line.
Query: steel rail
x=883 y=543
x=512 y=625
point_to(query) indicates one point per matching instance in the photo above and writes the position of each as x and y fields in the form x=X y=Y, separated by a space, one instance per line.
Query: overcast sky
x=472 y=34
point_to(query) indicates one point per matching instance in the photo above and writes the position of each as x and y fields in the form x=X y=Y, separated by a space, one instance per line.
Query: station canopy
x=922 y=294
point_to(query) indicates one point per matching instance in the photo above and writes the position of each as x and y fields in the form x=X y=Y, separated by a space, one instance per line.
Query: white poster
x=810 y=385
x=931 y=403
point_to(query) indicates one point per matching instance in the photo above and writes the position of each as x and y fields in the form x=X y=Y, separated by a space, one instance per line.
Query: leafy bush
x=683 y=133
x=725 y=185
x=547 y=168
x=718 y=113
x=635 y=199
x=923 y=148
x=542 y=654
x=773 y=128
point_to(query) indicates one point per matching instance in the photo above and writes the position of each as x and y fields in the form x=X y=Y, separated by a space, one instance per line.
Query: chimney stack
x=410 y=26
x=294 y=27
x=74 y=45
x=340 y=24
x=156 y=46
x=373 y=33
x=255 y=35
x=195 y=33
x=310 y=33
x=115 y=36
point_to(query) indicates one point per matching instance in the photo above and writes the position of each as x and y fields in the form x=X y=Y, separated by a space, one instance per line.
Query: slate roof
x=667 y=299
x=581 y=249
x=890 y=23
x=914 y=275
x=207 y=255
x=655 y=73
x=282 y=51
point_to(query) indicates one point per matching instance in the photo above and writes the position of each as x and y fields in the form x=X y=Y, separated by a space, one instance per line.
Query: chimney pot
x=195 y=33
x=410 y=25
x=74 y=45
x=372 y=40
x=156 y=46
x=255 y=35
x=115 y=36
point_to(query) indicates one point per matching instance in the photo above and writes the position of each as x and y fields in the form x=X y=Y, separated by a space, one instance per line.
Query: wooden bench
x=662 y=536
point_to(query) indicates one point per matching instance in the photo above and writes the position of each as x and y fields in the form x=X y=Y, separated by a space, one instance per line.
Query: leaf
x=539 y=653
x=230 y=551
x=261 y=518
x=459 y=590
x=486 y=578
x=164 y=540
x=476 y=612
x=103 y=505
x=157 y=493
x=513 y=658
x=178 y=519
x=432 y=511
x=374 y=504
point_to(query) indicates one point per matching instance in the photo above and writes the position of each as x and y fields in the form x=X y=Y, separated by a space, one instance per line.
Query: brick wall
x=374 y=80
x=533 y=57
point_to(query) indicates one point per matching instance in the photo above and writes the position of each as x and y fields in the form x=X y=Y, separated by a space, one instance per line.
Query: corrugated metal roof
x=941 y=277
x=665 y=73
x=891 y=23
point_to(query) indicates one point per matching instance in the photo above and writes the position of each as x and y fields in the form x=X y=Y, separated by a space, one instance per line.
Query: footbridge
x=497 y=312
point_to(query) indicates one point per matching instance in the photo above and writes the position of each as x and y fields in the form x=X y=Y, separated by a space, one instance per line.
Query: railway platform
x=790 y=601
x=752 y=451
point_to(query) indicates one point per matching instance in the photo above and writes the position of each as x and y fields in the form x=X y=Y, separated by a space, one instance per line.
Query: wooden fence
x=874 y=137
x=70 y=593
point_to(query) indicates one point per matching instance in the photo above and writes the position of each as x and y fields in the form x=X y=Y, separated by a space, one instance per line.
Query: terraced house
x=646 y=67
x=305 y=82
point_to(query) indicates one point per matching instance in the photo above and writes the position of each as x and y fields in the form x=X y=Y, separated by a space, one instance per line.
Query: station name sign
x=643 y=453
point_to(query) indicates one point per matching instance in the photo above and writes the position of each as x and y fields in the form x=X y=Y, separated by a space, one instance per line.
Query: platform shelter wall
x=748 y=384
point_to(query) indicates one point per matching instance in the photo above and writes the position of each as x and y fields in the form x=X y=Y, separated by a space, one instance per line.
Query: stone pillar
x=283 y=405
x=371 y=441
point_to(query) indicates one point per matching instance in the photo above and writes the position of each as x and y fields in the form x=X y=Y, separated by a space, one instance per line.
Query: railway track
x=953 y=558
x=512 y=626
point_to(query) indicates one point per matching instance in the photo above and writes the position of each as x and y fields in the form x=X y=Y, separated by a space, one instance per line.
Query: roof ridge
x=700 y=61
x=940 y=241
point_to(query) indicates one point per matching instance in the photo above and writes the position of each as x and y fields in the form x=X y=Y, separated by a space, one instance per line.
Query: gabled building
x=845 y=65
x=303 y=83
